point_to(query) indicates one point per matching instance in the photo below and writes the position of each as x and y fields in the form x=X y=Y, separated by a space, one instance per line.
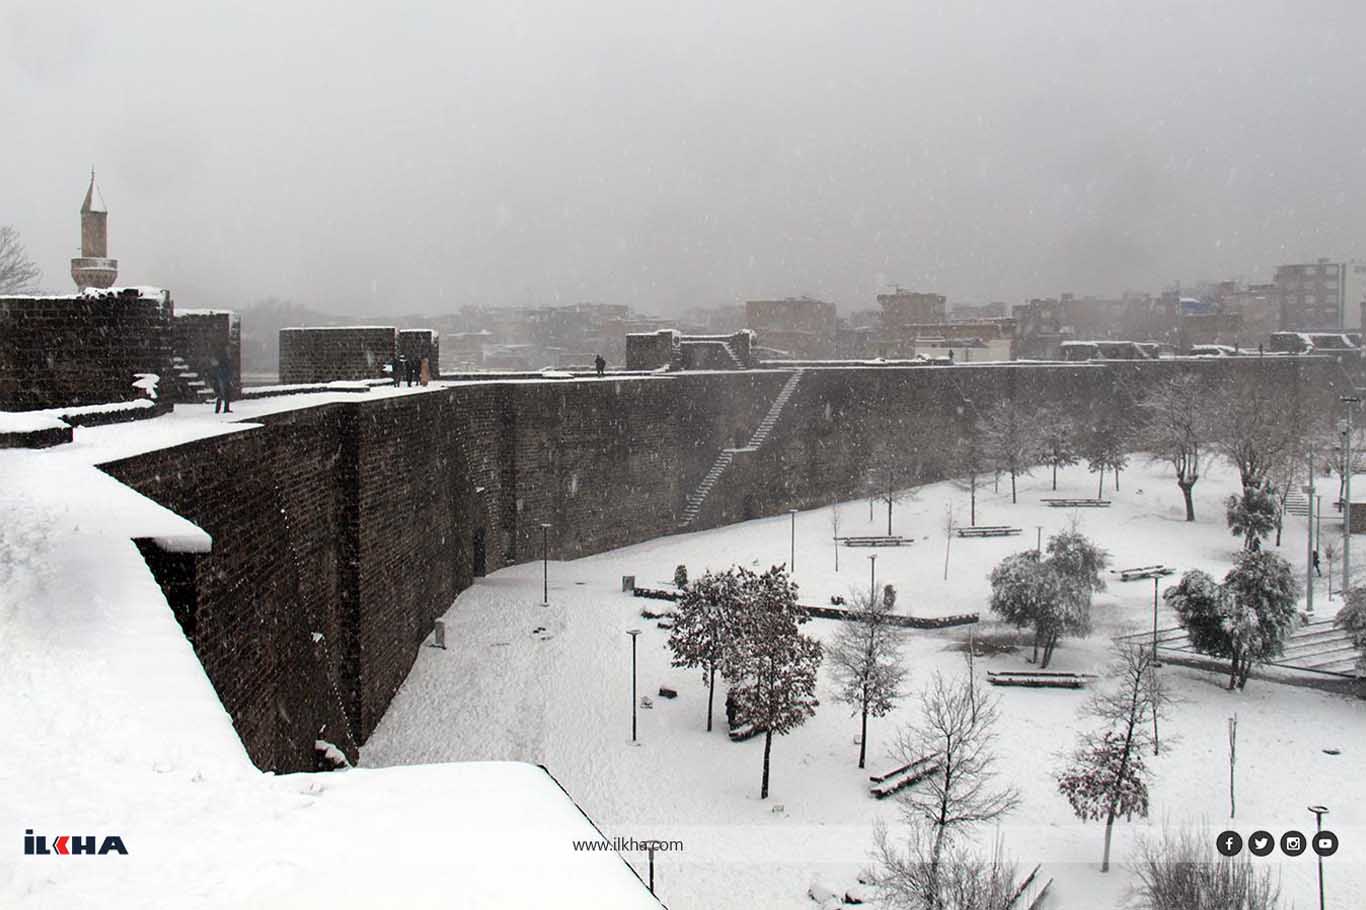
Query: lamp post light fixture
x=872 y=580
x=792 y=553
x=634 y=633
x=545 y=564
x=1319 y=813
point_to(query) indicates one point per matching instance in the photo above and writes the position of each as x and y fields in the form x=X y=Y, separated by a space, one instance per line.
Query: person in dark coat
x=222 y=385
x=395 y=369
x=400 y=369
x=1317 y=570
x=731 y=710
x=600 y=364
x=412 y=373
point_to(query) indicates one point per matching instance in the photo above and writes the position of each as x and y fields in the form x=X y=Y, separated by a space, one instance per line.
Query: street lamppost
x=872 y=580
x=1310 y=543
x=1348 y=400
x=792 y=556
x=545 y=564
x=1319 y=813
x=634 y=633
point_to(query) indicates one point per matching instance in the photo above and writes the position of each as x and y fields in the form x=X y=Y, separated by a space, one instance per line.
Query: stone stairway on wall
x=739 y=365
x=699 y=496
x=190 y=387
x=1297 y=504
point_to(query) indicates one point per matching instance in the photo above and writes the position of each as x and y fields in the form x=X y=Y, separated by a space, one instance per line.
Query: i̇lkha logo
x=72 y=845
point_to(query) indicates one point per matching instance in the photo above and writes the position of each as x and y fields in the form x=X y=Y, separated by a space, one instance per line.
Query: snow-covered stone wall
x=341 y=532
x=80 y=350
x=325 y=353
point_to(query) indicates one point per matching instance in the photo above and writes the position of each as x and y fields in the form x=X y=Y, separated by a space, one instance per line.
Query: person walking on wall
x=222 y=384
x=424 y=372
x=600 y=364
x=400 y=369
x=412 y=373
x=395 y=366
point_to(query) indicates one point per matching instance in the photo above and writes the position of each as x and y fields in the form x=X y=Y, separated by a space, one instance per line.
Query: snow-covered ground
x=552 y=685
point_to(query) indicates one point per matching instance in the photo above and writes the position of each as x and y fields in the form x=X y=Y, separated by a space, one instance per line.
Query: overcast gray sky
x=419 y=156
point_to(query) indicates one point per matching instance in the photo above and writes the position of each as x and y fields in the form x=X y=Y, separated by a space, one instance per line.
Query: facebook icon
x=1229 y=843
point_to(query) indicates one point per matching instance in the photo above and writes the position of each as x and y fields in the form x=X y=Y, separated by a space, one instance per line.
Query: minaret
x=94 y=269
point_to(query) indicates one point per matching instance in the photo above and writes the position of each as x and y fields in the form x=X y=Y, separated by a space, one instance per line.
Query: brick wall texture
x=341 y=532
x=325 y=354
x=69 y=351
x=199 y=338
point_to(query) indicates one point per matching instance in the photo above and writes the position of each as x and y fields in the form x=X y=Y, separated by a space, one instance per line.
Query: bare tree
x=705 y=627
x=1057 y=440
x=1181 y=871
x=1178 y=430
x=865 y=659
x=1011 y=440
x=18 y=273
x=906 y=879
x=949 y=524
x=957 y=728
x=1253 y=422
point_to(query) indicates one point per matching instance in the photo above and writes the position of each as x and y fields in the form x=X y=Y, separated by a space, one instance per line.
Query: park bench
x=898 y=779
x=1058 y=503
x=1039 y=679
x=1144 y=572
x=878 y=541
x=744 y=731
x=987 y=531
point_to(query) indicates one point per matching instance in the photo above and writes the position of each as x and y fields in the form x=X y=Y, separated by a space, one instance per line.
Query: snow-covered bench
x=1059 y=503
x=876 y=541
x=1039 y=679
x=1144 y=572
x=898 y=779
x=743 y=732
x=987 y=531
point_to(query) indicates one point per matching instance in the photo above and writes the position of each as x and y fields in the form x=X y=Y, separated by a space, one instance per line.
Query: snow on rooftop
x=331 y=328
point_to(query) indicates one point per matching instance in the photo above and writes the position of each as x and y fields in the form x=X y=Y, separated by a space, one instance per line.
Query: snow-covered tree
x=1253 y=515
x=775 y=666
x=1246 y=619
x=1107 y=778
x=1057 y=440
x=18 y=273
x=1352 y=618
x=1177 y=430
x=1050 y=592
x=1011 y=440
x=958 y=728
x=704 y=627
x=1104 y=444
x=865 y=659
x=1253 y=421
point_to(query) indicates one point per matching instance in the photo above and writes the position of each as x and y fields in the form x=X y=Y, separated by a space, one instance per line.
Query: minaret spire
x=94 y=268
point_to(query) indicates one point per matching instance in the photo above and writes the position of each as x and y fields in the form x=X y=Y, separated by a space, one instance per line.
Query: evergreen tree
x=1246 y=619
x=1050 y=592
x=1352 y=618
x=1253 y=515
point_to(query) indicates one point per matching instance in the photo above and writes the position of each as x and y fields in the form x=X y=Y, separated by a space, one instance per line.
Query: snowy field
x=552 y=685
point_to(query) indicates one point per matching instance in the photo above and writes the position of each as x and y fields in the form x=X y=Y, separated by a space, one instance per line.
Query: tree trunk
x=889 y=513
x=1100 y=487
x=1013 y=500
x=711 y=694
x=1035 y=658
x=863 y=740
x=1190 y=503
x=1109 y=829
x=768 y=748
x=1055 y=476
x=1233 y=673
x=973 y=509
x=1116 y=480
x=1048 y=647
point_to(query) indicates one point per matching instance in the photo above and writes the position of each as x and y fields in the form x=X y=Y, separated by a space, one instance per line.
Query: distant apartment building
x=904 y=308
x=801 y=327
x=1322 y=296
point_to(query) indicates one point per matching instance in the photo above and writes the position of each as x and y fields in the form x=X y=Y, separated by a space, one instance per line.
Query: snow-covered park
x=552 y=685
